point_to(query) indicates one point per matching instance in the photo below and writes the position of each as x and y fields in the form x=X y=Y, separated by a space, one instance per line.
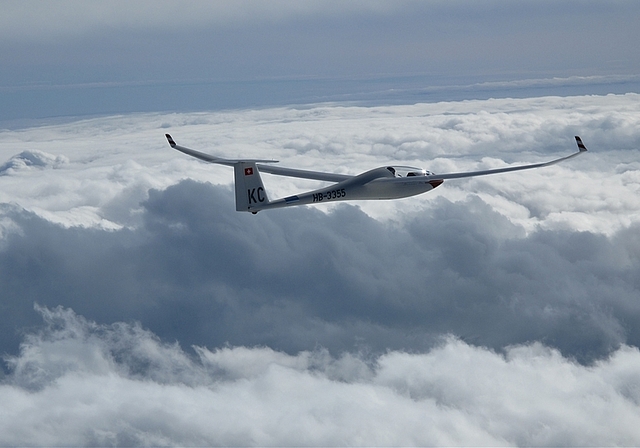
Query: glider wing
x=581 y=149
x=277 y=170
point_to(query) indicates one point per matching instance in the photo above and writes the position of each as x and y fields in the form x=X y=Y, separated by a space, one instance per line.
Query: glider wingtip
x=581 y=146
x=170 y=140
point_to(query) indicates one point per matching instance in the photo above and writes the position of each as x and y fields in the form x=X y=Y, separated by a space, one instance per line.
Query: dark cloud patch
x=198 y=272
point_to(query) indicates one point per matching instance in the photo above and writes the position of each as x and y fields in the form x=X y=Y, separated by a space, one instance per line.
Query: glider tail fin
x=250 y=192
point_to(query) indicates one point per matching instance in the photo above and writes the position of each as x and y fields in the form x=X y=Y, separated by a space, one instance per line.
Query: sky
x=69 y=58
x=137 y=307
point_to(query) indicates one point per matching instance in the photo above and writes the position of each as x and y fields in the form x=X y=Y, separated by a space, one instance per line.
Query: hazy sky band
x=146 y=56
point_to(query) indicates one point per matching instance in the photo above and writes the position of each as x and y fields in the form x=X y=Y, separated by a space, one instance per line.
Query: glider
x=386 y=182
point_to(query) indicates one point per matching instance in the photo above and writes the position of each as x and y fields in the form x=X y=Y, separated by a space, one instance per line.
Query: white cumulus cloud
x=116 y=156
x=76 y=383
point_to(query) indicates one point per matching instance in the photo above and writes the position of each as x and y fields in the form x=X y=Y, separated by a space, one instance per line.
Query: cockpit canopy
x=408 y=171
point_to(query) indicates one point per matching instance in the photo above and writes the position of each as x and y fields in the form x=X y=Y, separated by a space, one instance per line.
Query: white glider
x=387 y=182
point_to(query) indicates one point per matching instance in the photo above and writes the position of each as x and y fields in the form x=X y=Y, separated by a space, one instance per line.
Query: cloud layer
x=501 y=309
x=299 y=278
x=76 y=382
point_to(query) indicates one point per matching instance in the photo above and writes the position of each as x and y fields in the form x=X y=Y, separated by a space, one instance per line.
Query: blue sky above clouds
x=137 y=307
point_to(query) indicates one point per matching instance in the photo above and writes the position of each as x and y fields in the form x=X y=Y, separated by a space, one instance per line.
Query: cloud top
x=26 y=159
x=77 y=382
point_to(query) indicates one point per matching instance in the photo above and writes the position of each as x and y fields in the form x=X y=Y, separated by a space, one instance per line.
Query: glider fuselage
x=376 y=184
